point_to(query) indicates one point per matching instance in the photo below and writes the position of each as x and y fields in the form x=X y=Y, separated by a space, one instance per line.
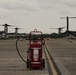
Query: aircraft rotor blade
x=6 y=25
x=63 y=27
x=63 y=18
x=53 y=28
x=72 y=17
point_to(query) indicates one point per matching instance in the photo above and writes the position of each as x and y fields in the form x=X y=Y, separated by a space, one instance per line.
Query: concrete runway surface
x=11 y=63
x=63 y=52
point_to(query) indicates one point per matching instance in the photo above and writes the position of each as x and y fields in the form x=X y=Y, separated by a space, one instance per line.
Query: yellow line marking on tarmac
x=51 y=64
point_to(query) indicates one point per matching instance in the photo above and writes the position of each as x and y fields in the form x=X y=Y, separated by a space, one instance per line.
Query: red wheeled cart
x=35 y=56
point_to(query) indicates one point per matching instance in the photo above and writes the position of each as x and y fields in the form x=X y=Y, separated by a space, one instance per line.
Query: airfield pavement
x=11 y=63
x=63 y=52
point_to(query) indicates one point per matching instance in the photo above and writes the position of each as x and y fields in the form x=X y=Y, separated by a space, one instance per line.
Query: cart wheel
x=43 y=63
x=28 y=63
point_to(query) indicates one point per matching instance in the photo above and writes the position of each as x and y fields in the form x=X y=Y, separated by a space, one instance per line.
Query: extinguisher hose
x=18 y=51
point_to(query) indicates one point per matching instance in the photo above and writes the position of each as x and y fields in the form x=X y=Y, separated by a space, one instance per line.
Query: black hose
x=18 y=51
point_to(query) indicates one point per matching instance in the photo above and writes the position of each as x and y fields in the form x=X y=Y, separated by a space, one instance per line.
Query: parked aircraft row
x=5 y=34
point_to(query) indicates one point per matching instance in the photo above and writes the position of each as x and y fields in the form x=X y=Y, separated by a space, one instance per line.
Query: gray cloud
x=71 y=3
x=16 y=5
x=35 y=12
x=33 y=5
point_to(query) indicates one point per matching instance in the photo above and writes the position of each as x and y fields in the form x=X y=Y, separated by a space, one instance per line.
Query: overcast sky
x=39 y=14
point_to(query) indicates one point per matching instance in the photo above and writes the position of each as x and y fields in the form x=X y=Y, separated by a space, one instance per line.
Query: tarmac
x=11 y=63
x=63 y=52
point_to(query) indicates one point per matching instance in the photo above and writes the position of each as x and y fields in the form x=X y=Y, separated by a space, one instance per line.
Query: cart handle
x=35 y=30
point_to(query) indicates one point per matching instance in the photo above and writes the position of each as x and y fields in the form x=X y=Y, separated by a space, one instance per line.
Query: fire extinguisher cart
x=35 y=55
